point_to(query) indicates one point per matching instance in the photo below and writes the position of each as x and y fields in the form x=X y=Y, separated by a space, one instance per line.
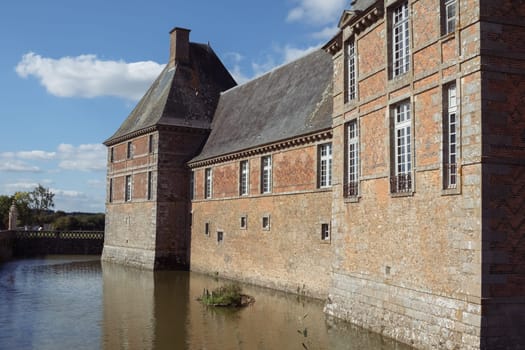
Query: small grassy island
x=229 y=295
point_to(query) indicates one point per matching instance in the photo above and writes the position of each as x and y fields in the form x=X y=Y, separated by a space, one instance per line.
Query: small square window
x=244 y=222
x=207 y=229
x=325 y=232
x=266 y=223
x=220 y=236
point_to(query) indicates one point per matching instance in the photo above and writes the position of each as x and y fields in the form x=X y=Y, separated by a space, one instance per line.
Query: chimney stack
x=179 y=46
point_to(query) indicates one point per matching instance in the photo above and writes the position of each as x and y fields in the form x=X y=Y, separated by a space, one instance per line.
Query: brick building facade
x=384 y=174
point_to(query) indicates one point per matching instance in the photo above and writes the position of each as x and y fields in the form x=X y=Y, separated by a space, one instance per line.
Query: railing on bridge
x=30 y=234
x=34 y=242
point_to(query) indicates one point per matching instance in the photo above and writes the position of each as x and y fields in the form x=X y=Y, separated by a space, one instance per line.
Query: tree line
x=35 y=210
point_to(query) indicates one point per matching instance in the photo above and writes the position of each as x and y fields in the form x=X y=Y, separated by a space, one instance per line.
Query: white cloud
x=236 y=69
x=36 y=155
x=18 y=166
x=89 y=157
x=21 y=186
x=87 y=76
x=316 y=11
x=291 y=53
x=326 y=33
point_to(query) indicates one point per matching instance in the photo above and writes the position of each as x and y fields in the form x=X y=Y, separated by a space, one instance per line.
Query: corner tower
x=148 y=182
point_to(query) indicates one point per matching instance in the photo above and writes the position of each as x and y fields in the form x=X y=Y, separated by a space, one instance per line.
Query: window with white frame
x=450 y=138
x=449 y=20
x=266 y=174
x=401 y=181
x=325 y=165
x=244 y=178
x=351 y=68
x=208 y=188
x=128 y=188
x=351 y=188
x=325 y=232
x=400 y=40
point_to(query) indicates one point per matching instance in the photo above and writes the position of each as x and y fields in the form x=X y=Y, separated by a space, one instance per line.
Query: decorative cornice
x=272 y=147
x=112 y=142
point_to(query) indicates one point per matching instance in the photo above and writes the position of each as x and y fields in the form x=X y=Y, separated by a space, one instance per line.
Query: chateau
x=383 y=173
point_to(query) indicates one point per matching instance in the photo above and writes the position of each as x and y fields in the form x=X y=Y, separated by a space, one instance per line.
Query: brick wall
x=290 y=255
x=409 y=266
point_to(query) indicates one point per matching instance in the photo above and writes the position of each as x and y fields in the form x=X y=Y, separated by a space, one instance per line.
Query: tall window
x=244 y=177
x=129 y=152
x=128 y=188
x=449 y=20
x=400 y=40
x=401 y=180
x=110 y=195
x=207 y=183
x=150 y=143
x=325 y=232
x=352 y=162
x=112 y=154
x=325 y=165
x=150 y=185
x=351 y=71
x=450 y=124
x=266 y=174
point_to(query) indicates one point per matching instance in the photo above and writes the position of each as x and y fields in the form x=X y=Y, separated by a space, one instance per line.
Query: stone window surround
x=244 y=178
x=266 y=222
x=400 y=20
x=128 y=190
x=351 y=66
x=266 y=174
x=324 y=167
x=448 y=16
x=448 y=190
x=325 y=232
x=129 y=150
x=208 y=183
x=352 y=160
x=401 y=149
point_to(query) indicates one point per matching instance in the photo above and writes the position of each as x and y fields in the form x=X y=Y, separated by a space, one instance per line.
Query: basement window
x=325 y=232
x=244 y=222
x=266 y=223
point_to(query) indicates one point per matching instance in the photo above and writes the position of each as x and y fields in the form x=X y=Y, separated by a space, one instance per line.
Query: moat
x=77 y=302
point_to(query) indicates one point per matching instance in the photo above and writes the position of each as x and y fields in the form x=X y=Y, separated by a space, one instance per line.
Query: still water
x=72 y=302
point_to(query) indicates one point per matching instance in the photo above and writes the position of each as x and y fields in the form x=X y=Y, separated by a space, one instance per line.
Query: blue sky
x=72 y=71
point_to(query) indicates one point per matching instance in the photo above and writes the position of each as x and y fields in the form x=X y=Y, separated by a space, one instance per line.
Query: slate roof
x=290 y=101
x=361 y=5
x=182 y=95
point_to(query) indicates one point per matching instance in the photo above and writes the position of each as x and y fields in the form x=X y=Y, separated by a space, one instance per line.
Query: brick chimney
x=179 y=46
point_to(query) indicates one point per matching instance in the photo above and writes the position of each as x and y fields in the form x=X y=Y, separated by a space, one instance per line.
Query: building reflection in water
x=159 y=310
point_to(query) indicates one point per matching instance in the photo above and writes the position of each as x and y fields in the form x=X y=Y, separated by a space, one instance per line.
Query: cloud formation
x=89 y=157
x=87 y=76
x=316 y=12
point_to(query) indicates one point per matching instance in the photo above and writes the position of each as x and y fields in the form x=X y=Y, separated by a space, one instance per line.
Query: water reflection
x=74 y=303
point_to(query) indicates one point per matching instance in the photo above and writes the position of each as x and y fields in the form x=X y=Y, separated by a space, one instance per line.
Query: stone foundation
x=415 y=317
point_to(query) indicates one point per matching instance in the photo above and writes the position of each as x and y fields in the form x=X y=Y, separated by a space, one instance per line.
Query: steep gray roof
x=361 y=5
x=182 y=95
x=290 y=101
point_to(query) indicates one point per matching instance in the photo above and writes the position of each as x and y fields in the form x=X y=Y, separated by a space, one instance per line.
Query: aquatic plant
x=227 y=295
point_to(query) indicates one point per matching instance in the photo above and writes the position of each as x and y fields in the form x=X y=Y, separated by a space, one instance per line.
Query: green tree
x=22 y=201
x=40 y=201
x=5 y=205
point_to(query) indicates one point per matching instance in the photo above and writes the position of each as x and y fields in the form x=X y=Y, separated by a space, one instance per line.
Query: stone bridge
x=21 y=243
